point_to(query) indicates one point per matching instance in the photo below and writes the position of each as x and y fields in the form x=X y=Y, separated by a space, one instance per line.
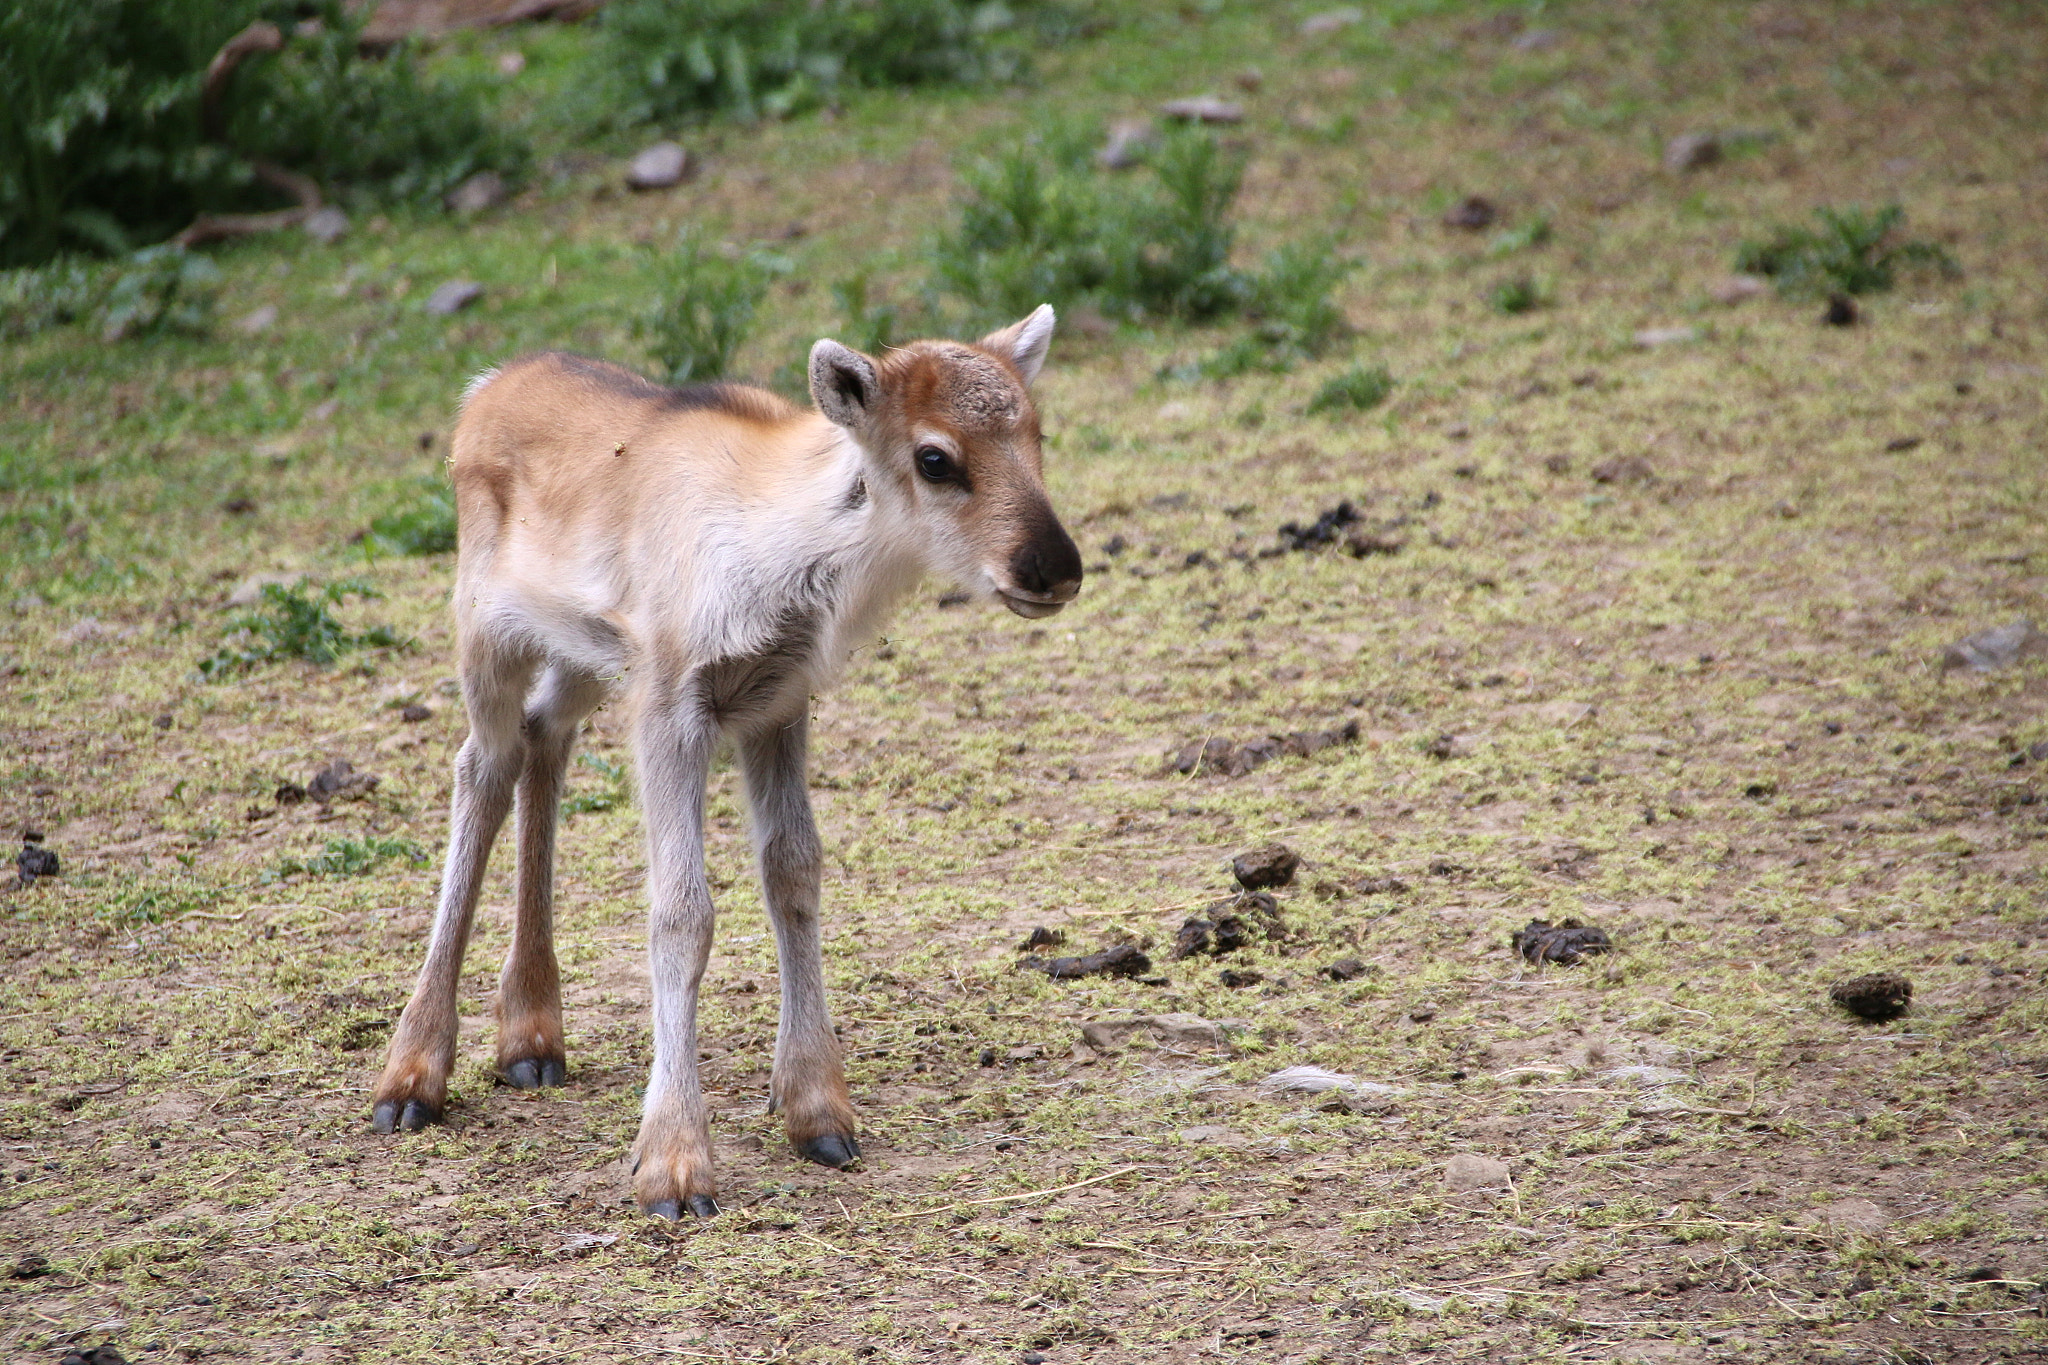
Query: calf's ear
x=843 y=384
x=1024 y=343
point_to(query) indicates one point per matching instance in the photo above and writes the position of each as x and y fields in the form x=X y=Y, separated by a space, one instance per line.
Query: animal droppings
x=1876 y=996
x=1273 y=865
x=34 y=861
x=1566 y=943
x=1124 y=959
x=1219 y=757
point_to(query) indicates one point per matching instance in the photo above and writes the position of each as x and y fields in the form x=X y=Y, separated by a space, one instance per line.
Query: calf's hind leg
x=809 y=1081
x=413 y=1090
x=530 y=1048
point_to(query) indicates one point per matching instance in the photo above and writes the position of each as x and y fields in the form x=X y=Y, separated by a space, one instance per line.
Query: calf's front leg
x=672 y=1157
x=809 y=1082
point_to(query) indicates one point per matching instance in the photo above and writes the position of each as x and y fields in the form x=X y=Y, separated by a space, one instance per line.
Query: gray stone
x=262 y=320
x=453 y=297
x=326 y=226
x=1666 y=336
x=1178 y=1032
x=1129 y=140
x=1852 y=1215
x=1329 y=21
x=1999 y=647
x=658 y=167
x=484 y=190
x=1469 y=1172
x=1736 y=289
x=249 y=591
x=1203 y=109
x=1690 y=151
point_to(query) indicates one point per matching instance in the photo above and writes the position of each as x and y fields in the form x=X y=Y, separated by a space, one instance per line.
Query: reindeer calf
x=713 y=554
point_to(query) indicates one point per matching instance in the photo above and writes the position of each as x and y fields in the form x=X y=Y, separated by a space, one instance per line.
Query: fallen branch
x=214 y=227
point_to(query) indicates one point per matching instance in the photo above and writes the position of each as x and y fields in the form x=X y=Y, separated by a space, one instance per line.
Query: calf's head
x=949 y=428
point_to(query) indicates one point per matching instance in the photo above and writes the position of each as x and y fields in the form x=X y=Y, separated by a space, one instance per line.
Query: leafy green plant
x=705 y=309
x=424 y=526
x=1358 y=388
x=870 y=326
x=1852 y=252
x=1521 y=294
x=36 y=298
x=354 y=857
x=616 y=791
x=296 y=622
x=103 y=147
x=672 y=60
x=161 y=289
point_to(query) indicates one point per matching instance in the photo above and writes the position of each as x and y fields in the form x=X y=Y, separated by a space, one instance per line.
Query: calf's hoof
x=831 y=1150
x=701 y=1206
x=534 y=1073
x=390 y=1116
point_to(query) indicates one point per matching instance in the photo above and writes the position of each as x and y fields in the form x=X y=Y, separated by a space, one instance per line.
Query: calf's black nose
x=1048 y=562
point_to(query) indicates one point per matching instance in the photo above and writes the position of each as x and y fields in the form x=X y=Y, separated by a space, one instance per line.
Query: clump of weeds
x=355 y=857
x=297 y=622
x=1853 y=251
x=705 y=310
x=616 y=791
x=670 y=60
x=424 y=526
x=1359 y=389
x=1521 y=294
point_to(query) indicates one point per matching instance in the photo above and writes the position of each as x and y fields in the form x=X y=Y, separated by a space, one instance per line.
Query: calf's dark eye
x=934 y=464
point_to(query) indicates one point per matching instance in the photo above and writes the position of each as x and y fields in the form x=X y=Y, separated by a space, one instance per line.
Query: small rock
x=1237 y=978
x=1329 y=21
x=31 y=1265
x=1346 y=969
x=658 y=167
x=1565 y=943
x=1316 y=1080
x=1273 y=865
x=484 y=190
x=340 y=778
x=1041 y=937
x=1875 y=995
x=1129 y=139
x=415 y=712
x=240 y=506
x=1360 y=544
x=1644 y=1075
x=1203 y=109
x=1690 y=151
x=34 y=861
x=1651 y=337
x=1467 y=1171
x=511 y=63
x=326 y=225
x=1623 y=469
x=1220 y=757
x=453 y=297
x=1472 y=213
x=86 y=629
x=1841 y=311
x=248 y=592
x=289 y=794
x=1853 y=1215
x=1999 y=647
x=262 y=320
x=1179 y=1032
x=1736 y=288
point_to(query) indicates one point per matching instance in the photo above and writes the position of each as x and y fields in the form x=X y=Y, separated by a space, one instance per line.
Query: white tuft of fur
x=477 y=385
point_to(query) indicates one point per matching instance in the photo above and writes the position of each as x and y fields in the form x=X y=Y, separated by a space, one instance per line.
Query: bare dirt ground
x=1650 y=636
